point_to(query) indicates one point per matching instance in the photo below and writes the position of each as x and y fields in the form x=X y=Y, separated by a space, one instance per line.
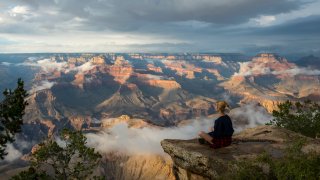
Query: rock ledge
x=195 y=161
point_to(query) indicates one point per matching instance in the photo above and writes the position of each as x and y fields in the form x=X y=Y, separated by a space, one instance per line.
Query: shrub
x=70 y=159
x=293 y=165
x=299 y=117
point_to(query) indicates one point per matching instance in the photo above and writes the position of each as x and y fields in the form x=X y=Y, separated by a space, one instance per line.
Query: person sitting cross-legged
x=221 y=133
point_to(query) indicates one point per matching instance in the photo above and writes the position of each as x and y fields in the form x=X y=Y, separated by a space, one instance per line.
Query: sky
x=245 y=26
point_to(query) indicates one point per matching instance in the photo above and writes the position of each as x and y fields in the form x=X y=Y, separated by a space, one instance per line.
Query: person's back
x=221 y=135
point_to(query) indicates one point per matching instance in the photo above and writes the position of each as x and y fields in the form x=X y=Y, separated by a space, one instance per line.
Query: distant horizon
x=294 y=56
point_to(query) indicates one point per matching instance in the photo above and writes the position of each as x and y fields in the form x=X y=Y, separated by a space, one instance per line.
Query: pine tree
x=11 y=113
x=70 y=159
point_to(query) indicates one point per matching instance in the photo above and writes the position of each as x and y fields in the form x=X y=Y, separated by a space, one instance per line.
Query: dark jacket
x=222 y=127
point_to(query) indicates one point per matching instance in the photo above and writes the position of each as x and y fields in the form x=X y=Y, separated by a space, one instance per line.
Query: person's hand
x=211 y=129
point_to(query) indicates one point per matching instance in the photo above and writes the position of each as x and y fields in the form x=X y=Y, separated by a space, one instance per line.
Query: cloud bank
x=48 y=65
x=247 y=70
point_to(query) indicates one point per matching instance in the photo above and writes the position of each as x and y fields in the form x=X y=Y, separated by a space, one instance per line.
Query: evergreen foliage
x=299 y=117
x=70 y=159
x=11 y=113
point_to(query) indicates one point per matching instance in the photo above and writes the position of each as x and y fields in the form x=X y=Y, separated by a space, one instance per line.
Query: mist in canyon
x=146 y=140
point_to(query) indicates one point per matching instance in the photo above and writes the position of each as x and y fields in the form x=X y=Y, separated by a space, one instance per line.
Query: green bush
x=299 y=117
x=72 y=159
x=294 y=165
x=31 y=173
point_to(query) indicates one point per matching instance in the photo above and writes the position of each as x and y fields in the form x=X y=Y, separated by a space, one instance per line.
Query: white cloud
x=226 y=97
x=299 y=71
x=151 y=76
x=42 y=85
x=85 y=67
x=6 y=63
x=19 y=10
x=13 y=153
x=265 y=20
x=252 y=114
x=249 y=69
x=46 y=65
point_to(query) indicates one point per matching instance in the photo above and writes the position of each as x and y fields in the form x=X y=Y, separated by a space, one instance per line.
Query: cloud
x=138 y=15
x=105 y=13
x=46 y=65
x=140 y=141
x=250 y=115
x=151 y=76
x=6 y=63
x=84 y=67
x=42 y=85
x=147 y=140
x=13 y=153
x=19 y=10
x=265 y=20
x=248 y=69
x=185 y=25
x=226 y=97
x=308 y=25
x=299 y=71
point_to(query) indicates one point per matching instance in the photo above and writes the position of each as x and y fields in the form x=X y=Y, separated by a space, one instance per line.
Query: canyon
x=97 y=92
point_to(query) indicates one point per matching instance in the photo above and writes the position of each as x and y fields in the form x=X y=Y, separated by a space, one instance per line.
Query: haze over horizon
x=248 y=26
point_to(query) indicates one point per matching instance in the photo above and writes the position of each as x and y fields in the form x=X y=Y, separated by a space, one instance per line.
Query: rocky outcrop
x=132 y=123
x=79 y=80
x=120 y=73
x=151 y=67
x=79 y=122
x=98 y=60
x=142 y=167
x=165 y=84
x=195 y=161
x=215 y=59
x=183 y=68
x=41 y=105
